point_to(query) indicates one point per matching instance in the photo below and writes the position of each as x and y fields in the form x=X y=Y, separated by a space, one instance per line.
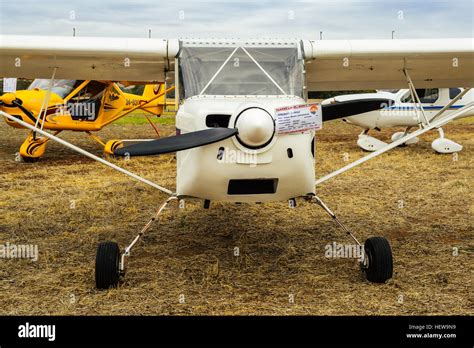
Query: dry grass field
x=421 y=201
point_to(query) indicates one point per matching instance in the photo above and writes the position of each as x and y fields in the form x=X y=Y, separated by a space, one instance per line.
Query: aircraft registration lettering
x=298 y=118
x=133 y=102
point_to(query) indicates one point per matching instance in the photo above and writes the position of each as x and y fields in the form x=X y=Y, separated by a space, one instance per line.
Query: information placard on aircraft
x=298 y=118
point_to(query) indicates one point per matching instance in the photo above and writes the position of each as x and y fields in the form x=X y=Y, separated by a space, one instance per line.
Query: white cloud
x=240 y=18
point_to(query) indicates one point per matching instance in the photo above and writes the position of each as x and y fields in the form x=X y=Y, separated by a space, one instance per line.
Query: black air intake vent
x=217 y=120
x=252 y=186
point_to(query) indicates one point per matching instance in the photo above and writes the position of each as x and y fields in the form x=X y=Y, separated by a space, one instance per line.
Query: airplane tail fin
x=151 y=91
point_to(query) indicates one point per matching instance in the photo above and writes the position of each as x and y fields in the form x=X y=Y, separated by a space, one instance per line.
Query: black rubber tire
x=107 y=261
x=30 y=159
x=379 y=253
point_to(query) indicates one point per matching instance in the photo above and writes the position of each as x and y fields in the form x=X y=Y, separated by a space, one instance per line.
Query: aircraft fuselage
x=402 y=112
x=280 y=169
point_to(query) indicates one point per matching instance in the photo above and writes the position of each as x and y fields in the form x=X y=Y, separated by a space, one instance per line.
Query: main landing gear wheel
x=377 y=262
x=378 y=266
x=107 y=265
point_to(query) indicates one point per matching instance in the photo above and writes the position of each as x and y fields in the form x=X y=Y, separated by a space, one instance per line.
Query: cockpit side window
x=454 y=92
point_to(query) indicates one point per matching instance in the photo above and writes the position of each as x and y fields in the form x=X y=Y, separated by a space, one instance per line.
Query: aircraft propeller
x=341 y=109
x=213 y=135
x=177 y=143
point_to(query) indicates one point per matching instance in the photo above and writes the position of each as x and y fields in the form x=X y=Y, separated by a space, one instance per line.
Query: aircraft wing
x=86 y=58
x=369 y=64
x=331 y=64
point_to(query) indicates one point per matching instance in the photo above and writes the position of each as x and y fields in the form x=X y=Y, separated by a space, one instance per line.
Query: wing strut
x=419 y=106
x=45 y=105
x=416 y=100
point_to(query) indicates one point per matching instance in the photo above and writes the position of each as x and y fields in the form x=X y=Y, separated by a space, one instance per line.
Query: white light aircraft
x=245 y=133
x=409 y=108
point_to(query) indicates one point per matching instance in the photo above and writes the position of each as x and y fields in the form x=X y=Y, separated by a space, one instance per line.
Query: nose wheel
x=377 y=261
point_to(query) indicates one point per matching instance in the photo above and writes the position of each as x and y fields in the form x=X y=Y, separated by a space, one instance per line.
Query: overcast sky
x=338 y=19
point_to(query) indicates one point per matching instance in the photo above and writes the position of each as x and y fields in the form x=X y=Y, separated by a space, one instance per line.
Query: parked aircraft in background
x=79 y=106
x=405 y=111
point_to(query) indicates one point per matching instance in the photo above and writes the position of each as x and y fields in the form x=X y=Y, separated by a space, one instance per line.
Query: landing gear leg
x=399 y=135
x=110 y=263
x=377 y=262
x=442 y=144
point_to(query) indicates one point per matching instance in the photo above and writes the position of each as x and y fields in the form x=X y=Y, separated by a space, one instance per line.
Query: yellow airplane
x=78 y=105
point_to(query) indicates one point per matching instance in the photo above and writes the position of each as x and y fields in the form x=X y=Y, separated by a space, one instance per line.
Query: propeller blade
x=353 y=107
x=177 y=143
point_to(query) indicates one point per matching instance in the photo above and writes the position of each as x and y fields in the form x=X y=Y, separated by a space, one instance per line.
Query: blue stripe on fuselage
x=454 y=107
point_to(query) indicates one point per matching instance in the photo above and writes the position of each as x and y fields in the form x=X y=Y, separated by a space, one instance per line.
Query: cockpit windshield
x=241 y=70
x=60 y=87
